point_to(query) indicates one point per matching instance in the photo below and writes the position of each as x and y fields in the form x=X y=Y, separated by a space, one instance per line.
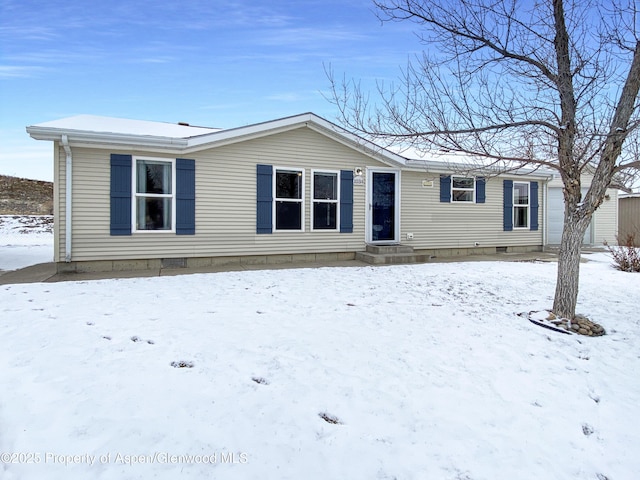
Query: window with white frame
x=520 y=205
x=326 y=193
x=463 y=189
x=154 y=194
x=289 y=199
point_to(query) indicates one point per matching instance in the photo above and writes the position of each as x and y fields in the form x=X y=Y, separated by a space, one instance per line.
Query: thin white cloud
x=27 y=32
x=248 y=14
x=156 y=60
x=19 y=71
x=225 y=106
x=310 y=36
x=285 y=97
x=52 y=56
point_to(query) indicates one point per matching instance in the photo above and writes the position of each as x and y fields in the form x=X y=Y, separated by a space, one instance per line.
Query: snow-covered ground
x=25 y=240
x=422 y=371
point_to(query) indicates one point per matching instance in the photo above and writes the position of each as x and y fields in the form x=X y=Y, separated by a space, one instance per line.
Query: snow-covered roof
x=99 y=124
x=90 y=130
x=469 y=164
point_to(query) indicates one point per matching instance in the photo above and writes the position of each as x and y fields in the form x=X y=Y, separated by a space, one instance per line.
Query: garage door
x=555 y=218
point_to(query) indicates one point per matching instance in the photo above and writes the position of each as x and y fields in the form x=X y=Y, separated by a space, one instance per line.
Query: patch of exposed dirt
x=22 y=196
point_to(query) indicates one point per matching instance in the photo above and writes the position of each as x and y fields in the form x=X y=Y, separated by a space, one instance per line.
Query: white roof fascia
x=126 y=126
x=354 y=141
x=81 y=138
x=91 y=131
x=94 y=130
x=233 y=135
x=158 y=136
x=446 y=167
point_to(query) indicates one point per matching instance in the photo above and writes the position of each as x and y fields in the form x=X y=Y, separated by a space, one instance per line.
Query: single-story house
x=134 y=194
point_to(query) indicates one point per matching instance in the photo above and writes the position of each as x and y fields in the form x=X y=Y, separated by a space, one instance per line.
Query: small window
x=325 y=201
x=288 y=201
x=463 y=189
x=520 y=205
x=154 y=194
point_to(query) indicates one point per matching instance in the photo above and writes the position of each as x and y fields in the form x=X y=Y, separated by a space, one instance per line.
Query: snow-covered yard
x=25 y=240
x=420 y=372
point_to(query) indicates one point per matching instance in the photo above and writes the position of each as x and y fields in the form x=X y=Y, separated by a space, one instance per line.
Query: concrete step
x=392 y=258
x=389 y=249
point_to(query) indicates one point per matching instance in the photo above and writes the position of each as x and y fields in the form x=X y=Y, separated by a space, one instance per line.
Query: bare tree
x=517 y=83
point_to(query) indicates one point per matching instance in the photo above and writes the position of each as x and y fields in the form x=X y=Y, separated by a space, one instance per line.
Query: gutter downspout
x=64 y=140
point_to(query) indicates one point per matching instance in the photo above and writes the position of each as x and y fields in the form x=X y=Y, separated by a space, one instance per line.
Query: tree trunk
x=578 y=211
x=566 y=296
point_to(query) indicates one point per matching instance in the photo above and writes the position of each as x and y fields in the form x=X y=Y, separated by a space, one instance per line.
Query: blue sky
x=205 y=62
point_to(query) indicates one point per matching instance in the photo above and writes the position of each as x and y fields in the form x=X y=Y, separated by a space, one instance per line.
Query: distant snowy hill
x=22 y=196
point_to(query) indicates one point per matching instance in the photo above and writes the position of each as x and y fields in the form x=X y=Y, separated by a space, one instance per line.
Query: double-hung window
x=154 y=187
x=289 y=199
x=520 y=205
x=326 y=193
x=280 y=200
x=463 y=189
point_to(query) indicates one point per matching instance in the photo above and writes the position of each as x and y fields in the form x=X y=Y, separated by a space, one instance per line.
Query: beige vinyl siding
x=436 y=224
x=605 y=220
x=225 y=202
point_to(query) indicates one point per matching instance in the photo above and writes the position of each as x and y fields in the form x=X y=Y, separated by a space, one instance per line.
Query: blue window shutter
x=185 y=196
x=508 y=206
x=481 y=190
x=346 y=201
x=120 y=223
x=533 y=192
x=264 y=191
x=445 y=188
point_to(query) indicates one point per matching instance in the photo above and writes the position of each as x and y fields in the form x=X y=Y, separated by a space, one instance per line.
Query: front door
x=383 y=206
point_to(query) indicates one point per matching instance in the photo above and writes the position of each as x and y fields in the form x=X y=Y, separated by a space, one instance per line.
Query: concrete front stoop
x=391 y=254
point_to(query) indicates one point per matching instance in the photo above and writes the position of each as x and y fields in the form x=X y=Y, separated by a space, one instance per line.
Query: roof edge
x=218 y=138
x=441 y=166
x=89 y=137
x=310 y=120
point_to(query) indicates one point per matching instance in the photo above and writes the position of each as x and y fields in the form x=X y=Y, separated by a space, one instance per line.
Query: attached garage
x=604 y=224
x=555 y=218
